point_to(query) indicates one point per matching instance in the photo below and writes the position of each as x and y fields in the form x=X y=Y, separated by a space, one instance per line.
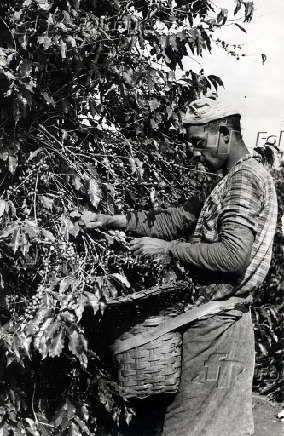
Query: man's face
x=206 y=143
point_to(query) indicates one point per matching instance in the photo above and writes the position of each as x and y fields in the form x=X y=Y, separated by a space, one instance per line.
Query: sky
x=257 y=88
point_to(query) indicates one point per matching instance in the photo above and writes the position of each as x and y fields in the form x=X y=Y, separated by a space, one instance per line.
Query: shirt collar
x=247 y=156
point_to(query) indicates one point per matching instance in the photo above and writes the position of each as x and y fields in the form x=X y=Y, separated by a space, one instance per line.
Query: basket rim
x=136 y=297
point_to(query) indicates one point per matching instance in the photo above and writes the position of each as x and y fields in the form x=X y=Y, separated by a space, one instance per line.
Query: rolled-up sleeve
x=168 y=224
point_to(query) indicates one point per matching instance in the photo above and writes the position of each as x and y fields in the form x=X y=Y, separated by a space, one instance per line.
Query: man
x=230 y=252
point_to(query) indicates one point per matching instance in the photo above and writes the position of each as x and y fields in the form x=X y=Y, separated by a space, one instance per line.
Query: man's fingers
x=94 y=224
x=137 y=251
x=134 y=245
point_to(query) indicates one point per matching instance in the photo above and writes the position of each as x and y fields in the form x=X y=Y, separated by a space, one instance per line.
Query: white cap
x=208 y=108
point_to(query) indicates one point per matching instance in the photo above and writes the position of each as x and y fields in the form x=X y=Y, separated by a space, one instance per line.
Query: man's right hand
x=93 y=220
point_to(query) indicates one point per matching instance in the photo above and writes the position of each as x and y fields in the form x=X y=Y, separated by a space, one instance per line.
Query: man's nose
x=198 y=156
x=196 y=153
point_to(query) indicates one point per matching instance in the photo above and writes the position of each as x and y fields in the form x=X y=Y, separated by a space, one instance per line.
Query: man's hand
x=149 y=246
x=94 y=220
x=97 y=220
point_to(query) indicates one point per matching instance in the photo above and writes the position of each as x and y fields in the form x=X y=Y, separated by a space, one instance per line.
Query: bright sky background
x=256 y=88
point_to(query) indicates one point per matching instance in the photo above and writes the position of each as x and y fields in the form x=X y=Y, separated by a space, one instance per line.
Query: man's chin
x=211 y=168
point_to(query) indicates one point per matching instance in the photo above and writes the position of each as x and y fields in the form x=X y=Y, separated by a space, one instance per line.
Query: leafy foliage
x=91 y=120
x=268 y=303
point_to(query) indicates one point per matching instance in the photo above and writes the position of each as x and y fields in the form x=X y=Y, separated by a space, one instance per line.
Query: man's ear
x=226 y=138
x=224 y=133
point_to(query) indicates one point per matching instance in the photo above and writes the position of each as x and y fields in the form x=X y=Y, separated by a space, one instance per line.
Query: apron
x=215 y=394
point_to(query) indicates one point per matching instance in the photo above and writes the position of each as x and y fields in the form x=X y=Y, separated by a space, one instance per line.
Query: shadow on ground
x=265 y=421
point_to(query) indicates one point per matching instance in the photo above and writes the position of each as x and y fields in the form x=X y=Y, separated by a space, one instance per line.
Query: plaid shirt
x=246 y=195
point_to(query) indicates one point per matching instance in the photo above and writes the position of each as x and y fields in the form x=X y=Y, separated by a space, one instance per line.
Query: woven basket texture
x=155 y=367
x=152 y=368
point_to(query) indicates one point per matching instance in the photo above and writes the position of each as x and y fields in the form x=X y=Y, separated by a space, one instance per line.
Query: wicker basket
x=152 y=368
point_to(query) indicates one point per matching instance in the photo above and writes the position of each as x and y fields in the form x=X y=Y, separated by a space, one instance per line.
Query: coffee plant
x=91 y=110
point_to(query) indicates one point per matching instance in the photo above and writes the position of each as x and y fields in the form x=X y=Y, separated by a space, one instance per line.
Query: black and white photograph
x=141 y=217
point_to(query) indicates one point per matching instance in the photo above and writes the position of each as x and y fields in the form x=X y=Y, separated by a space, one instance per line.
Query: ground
x=264 y=414
x=265 y=420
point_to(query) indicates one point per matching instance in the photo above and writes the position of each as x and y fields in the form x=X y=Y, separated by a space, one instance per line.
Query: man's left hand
x=149 y=246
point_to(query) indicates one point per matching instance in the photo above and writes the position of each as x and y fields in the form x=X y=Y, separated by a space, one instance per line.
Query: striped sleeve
x=167 y=224
x=244 y=200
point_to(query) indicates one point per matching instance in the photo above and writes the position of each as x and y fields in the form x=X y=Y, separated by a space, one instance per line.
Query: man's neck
x=237 y=151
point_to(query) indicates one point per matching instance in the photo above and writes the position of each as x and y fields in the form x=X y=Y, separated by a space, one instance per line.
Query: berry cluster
x=58 y=257
x=231 y=49
x=31 y=176
x=33 y=305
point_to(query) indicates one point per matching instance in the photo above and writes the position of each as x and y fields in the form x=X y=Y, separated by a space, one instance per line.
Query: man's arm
x=238 y=225
x=230 y=255
x=97 y=220
x=166 y=224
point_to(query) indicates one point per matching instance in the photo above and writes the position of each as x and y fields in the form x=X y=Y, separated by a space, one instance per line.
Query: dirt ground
x=265 y=421
x=264 y=412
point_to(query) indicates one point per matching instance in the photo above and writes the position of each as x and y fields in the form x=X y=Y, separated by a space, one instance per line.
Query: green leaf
x=26 y=68
x=173 y=42
x=220 y=16
x=16 y=346
x=206 y=39
x=44 y=5
x=31 y=229
x=63 y=49
x=4 y=155
x=154 y=104
x=48 y=235
x=67 y=316
x=71 y=410
x=73 y=229
x=48 y=98
x=74 y=430
x=75 y=214
x=216 y=81
x=10 y=206
x=238 y=7
x=77 y=345
x=44 y=430
x=60 y=416
x=65 y=283
x=24 y=244
x=93 y=300
x=56 y=346
x=263 y=349
x=249 y=9
x=94 y=192
x=16 y=239
x=3 y=207
x=81 y=303
x=127 y=77
x=26 y=342
x=140 y=169
x=132 y=165
x=120 y=278
x=240 y=27
x=13 y=163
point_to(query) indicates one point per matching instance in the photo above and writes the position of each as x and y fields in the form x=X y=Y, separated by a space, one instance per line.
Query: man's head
x=214 y=140
x=214 y=129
